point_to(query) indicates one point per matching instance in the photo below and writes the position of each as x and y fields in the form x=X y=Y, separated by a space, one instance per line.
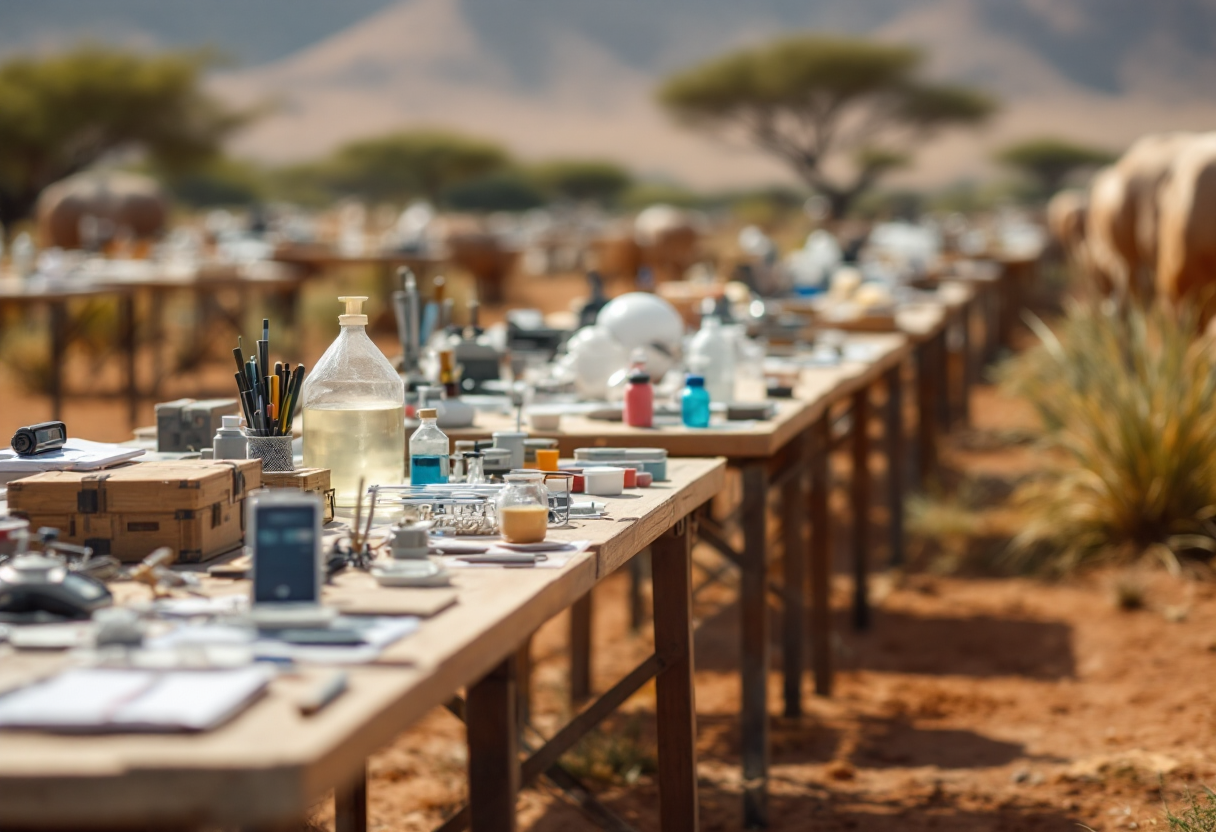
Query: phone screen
x=285 y=555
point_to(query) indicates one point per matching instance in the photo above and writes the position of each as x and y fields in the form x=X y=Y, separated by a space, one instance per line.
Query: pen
x=322 y=693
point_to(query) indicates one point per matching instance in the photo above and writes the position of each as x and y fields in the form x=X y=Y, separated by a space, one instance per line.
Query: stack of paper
x=75 y=455
x=95 y=700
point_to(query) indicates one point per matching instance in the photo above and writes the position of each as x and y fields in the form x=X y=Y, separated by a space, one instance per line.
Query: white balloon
x=646 y=321
x=593 y=355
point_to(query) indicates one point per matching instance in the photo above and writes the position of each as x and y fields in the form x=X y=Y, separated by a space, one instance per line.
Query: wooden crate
x=194 y=506
x=315 y=480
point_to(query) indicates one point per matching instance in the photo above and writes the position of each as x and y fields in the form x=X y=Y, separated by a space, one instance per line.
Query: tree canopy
x=64 y=113
x=412 y=164
x=1049 y=161
x=582 y=180
x=840 y=111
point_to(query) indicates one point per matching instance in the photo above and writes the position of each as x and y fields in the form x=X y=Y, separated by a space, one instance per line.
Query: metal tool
x=39 y=438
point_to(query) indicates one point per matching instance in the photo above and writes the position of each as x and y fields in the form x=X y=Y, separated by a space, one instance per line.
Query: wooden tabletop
x=270 y=764
x=819 y=388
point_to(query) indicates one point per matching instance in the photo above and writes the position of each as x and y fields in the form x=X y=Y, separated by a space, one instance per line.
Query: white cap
x=354 y=311
x=231 y=421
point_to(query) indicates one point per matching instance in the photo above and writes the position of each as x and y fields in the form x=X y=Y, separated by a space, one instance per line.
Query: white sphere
x=646 y=321
x=593 y=355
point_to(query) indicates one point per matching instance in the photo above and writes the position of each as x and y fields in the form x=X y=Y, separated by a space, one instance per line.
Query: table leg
x=637 y=576
x=968 y=377
x=754 y=656
x=926 y=427
x=126 y=321
x=59 y=345
x=821 y=556
x=523 y=679
x=493 y=750
x=860 y=498
x=896 y=450
x=580 y=648
x=992 y=323
x=350 y=805
x=675 y=705
x=941 y=353
x=793 y=560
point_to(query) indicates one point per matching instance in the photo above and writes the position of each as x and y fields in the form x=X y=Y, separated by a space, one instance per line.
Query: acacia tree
x=415 y=163
x=1050 y=161
x=63 y=113
x=841 y=112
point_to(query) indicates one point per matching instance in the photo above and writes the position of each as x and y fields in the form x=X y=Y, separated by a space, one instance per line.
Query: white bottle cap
x=354 y=311
x=231 y=421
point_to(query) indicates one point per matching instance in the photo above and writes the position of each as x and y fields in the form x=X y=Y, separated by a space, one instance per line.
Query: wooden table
x=269 y=766
x=789 y=452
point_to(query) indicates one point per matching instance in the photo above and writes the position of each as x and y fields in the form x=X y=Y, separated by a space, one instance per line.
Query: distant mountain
x=576 y=77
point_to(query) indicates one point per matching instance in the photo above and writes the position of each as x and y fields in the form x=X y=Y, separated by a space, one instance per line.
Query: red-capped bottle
x=639 y=400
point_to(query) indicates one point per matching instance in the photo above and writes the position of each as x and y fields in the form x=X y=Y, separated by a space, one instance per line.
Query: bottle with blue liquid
x=428 y=451
x=694 y=403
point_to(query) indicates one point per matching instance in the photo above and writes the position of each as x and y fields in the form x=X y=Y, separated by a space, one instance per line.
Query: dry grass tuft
x=1131 y=404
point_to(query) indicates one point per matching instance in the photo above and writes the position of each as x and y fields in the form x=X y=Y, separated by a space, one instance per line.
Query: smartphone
x=285 y=529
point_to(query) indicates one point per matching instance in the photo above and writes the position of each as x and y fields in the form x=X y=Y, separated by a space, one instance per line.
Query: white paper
x=102 y=700
x=75 y=455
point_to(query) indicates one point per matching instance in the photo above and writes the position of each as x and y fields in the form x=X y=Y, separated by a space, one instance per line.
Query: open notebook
x=96 y=700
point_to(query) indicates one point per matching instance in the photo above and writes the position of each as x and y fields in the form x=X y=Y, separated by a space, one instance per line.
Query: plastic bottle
x=639 y=400
x=230 y=441
x=712 y=350
x=428 y=451
x=354 y=411
x=694 y=403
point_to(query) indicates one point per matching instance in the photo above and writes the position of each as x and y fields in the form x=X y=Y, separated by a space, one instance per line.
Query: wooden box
x=315 y=480
x=194 y=506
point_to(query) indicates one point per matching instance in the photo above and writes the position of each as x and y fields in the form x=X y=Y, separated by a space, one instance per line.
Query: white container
x=230 y=441
x=513 y=441
x=711 y=353
x=603 y=481
x=544 y=419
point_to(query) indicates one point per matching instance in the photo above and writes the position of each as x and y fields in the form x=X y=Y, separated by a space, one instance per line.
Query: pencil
x=274 y=399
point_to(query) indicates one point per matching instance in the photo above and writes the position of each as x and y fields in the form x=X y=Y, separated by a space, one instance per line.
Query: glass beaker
x=523 y=507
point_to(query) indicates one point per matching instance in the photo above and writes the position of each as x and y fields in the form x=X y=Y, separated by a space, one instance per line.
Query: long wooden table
x=789 y=452
x=270 y=765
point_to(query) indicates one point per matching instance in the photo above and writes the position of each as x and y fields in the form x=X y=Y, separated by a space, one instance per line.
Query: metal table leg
x=754 y=656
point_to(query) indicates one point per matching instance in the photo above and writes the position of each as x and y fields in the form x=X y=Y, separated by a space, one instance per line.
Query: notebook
x=97 y=700
x=75 y=455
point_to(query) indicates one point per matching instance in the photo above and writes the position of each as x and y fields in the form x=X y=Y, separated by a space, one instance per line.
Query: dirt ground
x=973 y=703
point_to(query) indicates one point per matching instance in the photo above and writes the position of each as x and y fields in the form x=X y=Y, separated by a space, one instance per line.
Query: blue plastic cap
x=694 y=381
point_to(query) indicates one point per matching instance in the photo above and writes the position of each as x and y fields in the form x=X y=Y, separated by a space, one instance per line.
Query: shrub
x=1130 y=402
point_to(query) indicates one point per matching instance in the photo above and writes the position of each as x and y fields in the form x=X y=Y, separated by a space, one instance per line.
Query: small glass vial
x=474 y=469
x=523 y=508
x=428 y=451
x=639 y=400
x=694 y=403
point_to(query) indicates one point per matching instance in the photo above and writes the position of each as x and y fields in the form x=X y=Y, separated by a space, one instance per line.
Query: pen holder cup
x=274 y=451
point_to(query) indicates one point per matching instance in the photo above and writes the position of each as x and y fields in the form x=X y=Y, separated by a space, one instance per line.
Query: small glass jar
x=523 y=507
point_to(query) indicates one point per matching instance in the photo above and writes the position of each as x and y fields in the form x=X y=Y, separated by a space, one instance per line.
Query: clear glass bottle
x=694 y=403
x=523 y=507
x=428 y=451
x=354 y=411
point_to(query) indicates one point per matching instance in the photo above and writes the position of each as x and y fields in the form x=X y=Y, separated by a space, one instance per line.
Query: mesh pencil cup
x=274 y=451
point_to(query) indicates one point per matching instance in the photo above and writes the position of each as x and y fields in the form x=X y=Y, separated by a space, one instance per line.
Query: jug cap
x=428 y=413
x=354 y=311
